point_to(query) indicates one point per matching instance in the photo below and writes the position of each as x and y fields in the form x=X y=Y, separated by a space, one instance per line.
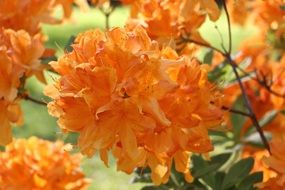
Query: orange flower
x=208 y=6
x=9 y=113
x=276 y=162
x=19 y=57
x=258 y=155
x=39 y=164
x=269 y=13
x=120 y=92
x=239 y=10
x=19 y=54
x=166 y=20
x=28 y=14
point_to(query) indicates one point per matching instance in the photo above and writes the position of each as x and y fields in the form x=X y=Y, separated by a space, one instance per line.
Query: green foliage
x=208 y=58
x=46 y=60
x=218 y=72
x=218 y=173
x=237 y=173
x=68 y=46
x=247 y=182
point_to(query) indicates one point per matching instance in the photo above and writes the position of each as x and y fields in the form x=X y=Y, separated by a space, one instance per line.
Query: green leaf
x=68 y=47
x=267 y=118
x=238 y=172
x=282 y=7
x=46 y=60
x=219 y=178
x=217 y=72
x=202 y=167
x=198 y=162
x=142 y=175
x=144 y=178
x=2 y=148
x=210 y=180
x=282 y=112
x=208 y=57
x=221 y=158
x=237 y=120
x=206 y=170
x=249 y=181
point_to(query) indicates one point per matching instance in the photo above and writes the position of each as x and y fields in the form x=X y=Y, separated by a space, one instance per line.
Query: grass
x=39 y=123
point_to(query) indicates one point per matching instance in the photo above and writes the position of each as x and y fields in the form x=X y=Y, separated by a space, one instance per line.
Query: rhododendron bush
x=172 y=108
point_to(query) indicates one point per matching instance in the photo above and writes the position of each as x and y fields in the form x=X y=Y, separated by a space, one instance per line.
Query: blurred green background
x=39 y=123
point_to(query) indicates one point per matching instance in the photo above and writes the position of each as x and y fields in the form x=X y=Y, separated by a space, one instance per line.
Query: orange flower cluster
x=28 y=14
x=276 y=162
x=19 y=58
x=21 y=47
x=268 y=14
x=169 y=19
x=147 y=105
x=40 y=165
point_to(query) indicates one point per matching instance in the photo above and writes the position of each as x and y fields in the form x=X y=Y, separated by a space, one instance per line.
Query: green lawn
x=39 y=123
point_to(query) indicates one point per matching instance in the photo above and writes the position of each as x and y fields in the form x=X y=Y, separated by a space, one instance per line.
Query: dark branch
x=225 y=108
x=243 y=90
x=188 y=40
x=262 y=82
x=235 y=111
x=27 y=97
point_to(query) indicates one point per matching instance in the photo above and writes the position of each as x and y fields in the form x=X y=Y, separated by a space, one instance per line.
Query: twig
x=27 y=97
x=243 y=90
x=262 y=83
x=235 y=111
x=188 y=40
x=107 y=14
x=232 y=110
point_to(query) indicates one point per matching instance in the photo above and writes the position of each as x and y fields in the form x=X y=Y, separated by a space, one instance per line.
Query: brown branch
x=262 y=83
x=188 y=40
x=243 y=90
x=235 y=111
x=225 y=108
x=27 y=97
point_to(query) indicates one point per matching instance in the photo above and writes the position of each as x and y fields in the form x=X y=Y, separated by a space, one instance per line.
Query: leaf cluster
x=218 y=173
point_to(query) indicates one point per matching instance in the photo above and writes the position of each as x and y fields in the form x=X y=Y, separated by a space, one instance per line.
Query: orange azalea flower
x=239 y=10
x=165 y=20
x=127 y=91
x=276 y=162
x=9 y=113
x=258 y=155
x=20 y=54
x=269 y=13
x=19 y=57
x=28 y=14
x=208 y=6
x=39 y=164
